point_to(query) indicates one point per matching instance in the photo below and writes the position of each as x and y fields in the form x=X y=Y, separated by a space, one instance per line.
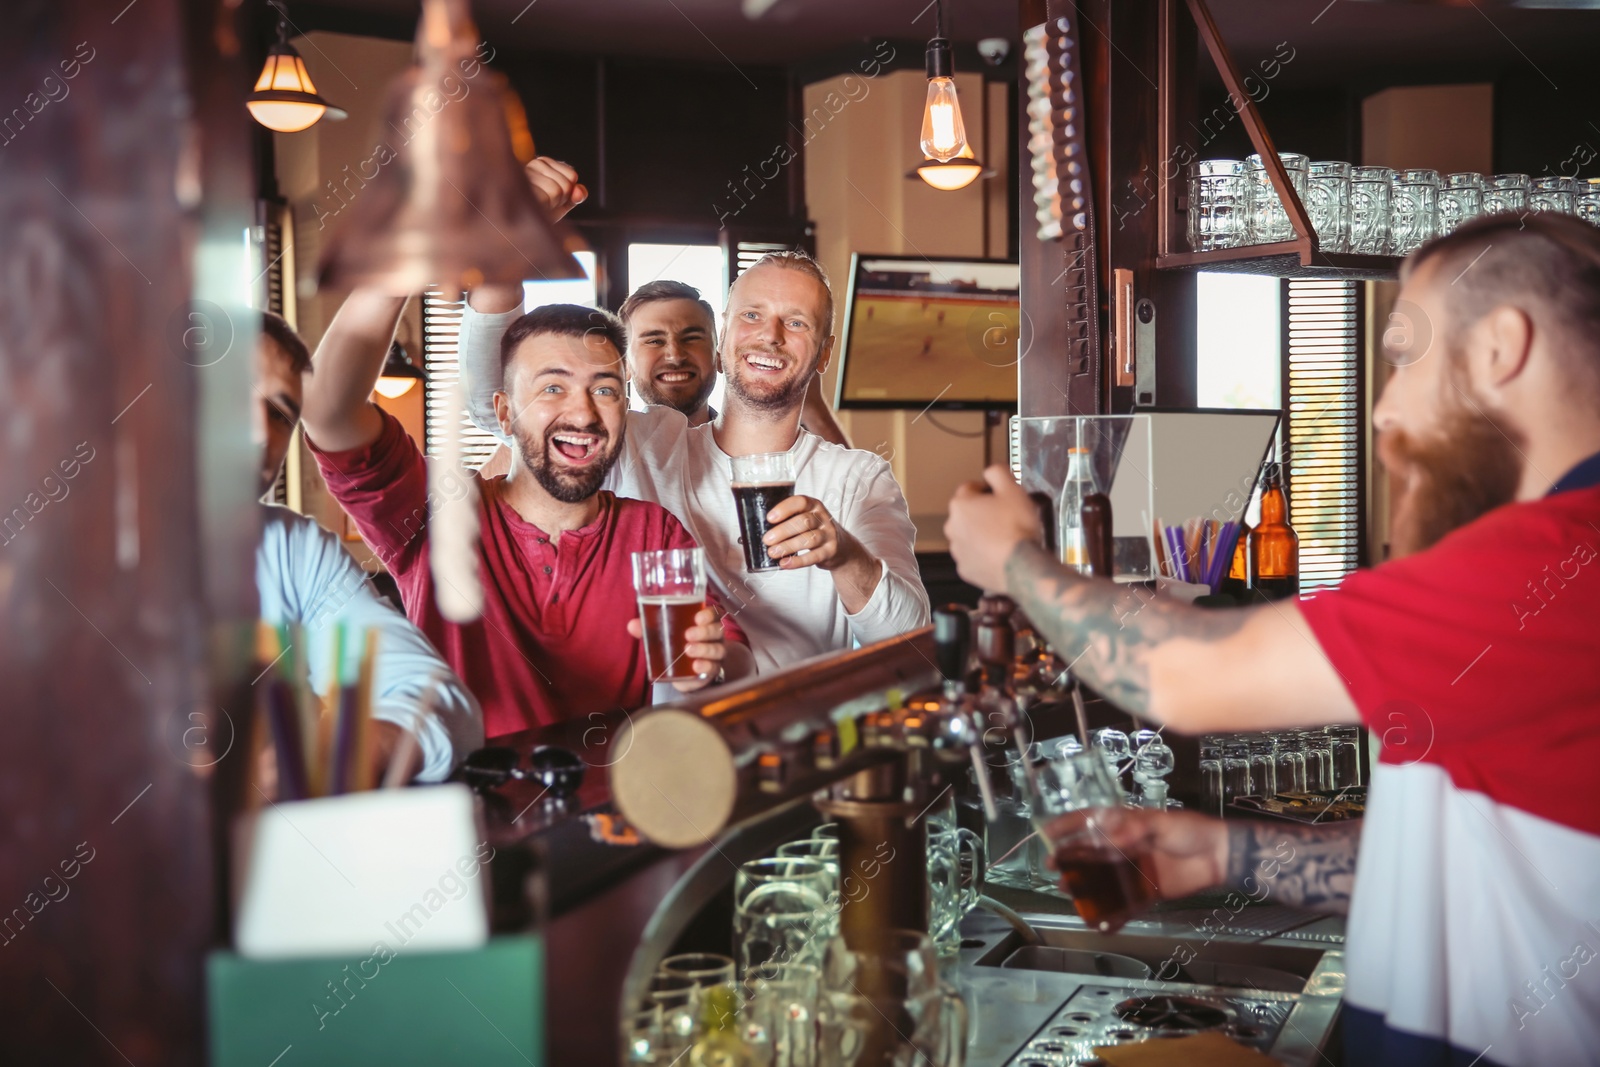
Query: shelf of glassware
x=1285 y=260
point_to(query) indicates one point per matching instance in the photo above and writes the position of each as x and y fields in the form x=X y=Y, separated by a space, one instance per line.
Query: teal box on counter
x=484 y=1007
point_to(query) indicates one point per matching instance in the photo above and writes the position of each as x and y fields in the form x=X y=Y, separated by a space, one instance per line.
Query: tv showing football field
x=923 y=333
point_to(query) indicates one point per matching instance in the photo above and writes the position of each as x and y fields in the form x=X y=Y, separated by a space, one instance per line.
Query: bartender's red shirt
x=1477 y=666
x=552 y=642
x=1481 y=655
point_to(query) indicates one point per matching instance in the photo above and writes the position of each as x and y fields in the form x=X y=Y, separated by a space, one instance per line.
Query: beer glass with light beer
x=759 y=483
x=671 y=586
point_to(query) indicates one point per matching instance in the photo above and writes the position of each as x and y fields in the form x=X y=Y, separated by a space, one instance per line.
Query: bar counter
x=1268 y=975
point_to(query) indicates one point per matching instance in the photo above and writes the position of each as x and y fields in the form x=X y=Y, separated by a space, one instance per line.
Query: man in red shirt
x=557 y=638
x=1474 y=657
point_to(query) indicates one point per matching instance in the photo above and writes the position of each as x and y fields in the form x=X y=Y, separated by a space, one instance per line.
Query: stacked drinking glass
x=1322 y=760
x=1365 y=210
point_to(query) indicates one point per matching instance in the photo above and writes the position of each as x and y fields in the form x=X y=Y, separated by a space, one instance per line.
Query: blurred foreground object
x=455 y=210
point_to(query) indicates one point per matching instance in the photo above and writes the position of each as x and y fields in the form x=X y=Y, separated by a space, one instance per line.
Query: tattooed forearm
x=1107 y=631
x=1306 y=866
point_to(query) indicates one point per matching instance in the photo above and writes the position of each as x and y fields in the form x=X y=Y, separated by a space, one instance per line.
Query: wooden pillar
x=126 y=472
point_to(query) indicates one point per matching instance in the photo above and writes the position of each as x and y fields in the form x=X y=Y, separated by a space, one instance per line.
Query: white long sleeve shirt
x=788 y=615
x=304 y=575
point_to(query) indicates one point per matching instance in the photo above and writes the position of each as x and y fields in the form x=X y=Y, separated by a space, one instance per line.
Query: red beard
x=1469 y=467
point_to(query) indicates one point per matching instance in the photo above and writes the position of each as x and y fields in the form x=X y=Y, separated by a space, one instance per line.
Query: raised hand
x=556 y=185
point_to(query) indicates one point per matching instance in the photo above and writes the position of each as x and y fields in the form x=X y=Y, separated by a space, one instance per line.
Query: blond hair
x=795 y=259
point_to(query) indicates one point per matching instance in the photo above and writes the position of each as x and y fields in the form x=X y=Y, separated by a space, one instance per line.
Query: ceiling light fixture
x=950 y=162
x=399 y=373
x=284 y=98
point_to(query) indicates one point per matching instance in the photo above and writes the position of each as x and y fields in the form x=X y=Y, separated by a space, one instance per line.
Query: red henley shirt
x=552 y=642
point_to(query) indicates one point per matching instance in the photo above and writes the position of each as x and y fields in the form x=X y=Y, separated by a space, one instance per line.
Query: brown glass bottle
x=1274 y=546
x=1237 y=581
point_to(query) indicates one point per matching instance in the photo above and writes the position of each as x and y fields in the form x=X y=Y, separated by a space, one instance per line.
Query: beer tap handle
x=1030 y=774
x=980 y=771
x=952 y=640
x=952 y=637
x=1080 y=711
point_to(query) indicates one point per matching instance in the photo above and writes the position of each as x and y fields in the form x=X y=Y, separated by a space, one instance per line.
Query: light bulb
x=944 y=135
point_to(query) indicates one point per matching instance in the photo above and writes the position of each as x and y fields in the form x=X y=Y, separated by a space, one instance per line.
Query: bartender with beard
x=1474 y=930
x=558 y=637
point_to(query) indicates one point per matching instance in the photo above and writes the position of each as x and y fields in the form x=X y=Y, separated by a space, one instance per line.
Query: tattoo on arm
x=1107 y=631
x=1304 y=866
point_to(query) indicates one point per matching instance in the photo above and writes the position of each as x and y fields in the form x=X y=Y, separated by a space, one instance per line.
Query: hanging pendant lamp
x=950 y=163
x=284 y=98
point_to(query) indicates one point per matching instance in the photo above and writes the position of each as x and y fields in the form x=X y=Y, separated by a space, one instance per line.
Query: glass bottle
x=1080 y=486
x=1236 y=583
x=1274 y=546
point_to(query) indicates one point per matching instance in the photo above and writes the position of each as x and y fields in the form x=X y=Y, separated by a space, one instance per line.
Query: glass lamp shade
x=399 y=374
x=944 y=135
x=950 y=174
x=391 y=388
x=284 y=98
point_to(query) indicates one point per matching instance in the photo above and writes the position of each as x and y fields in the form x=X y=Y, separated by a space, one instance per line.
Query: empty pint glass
x=759 y=483
x=671 y=586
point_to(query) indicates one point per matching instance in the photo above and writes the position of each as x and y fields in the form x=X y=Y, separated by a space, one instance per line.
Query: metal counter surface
x=1017 y=1012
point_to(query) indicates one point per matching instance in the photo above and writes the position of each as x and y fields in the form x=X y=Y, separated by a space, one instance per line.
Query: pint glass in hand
x=1106 y=880
x=759 y=483
x=671 y=585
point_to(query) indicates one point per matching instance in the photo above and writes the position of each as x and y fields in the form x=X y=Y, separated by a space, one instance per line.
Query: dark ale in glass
x=753 y=502
x=1106 y=887
x=666 y=619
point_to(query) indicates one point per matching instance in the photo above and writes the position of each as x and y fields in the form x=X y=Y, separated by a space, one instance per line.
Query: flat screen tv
x=930 y=333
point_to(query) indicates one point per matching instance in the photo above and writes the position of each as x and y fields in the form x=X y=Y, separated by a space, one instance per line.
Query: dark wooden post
x=126 y=533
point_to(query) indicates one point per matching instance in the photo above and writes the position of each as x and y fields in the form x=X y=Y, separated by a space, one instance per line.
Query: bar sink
x=1050 y=1004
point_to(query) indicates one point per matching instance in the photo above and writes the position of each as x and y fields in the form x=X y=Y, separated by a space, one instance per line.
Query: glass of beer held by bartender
x=1077 y=808
x=671 y=586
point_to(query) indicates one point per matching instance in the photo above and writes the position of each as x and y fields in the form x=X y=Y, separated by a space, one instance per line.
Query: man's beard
x=567 y=484
x=689 y=405
x=769 y=396
x=1469 y=467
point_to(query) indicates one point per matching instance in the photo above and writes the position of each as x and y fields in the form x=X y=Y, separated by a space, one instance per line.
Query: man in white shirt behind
x=845 y=541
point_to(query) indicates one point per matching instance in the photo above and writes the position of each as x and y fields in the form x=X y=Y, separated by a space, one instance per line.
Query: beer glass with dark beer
x=671 y=586
x=759 y=483
x=1105 y=878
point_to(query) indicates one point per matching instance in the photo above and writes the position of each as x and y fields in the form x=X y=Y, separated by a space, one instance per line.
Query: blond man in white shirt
x=846 y=545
